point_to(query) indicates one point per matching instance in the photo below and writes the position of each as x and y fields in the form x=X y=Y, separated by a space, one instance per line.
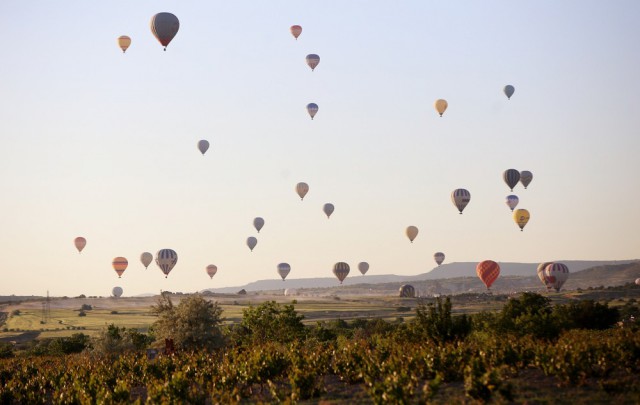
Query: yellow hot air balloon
x=124 y=42
x=411 y=232
x=441 y=106
x=521 y=216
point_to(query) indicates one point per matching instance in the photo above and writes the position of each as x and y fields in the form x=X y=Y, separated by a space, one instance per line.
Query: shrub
x=586 y=314
x=436 y=322
x=269 y=322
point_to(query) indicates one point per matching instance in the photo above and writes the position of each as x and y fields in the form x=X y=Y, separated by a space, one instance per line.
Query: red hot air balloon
x=296 y=30
x=120 y=265
x=488 y=271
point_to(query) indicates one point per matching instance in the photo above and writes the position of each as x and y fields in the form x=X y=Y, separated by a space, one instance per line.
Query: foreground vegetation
x=522 y=353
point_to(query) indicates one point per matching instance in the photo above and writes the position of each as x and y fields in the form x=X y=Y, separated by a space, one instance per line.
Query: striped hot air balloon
x=363 y=267
x=540 y=272
x=438 y=257
x=312 y=60
x=283 y=270
x=119 y=265
x=460 y=198
x=556 y=274
x=164 y=26
x=166 y=259
x=212 y=269
x=407 y=291
x=341 y=270
x=511 y=177
x=488 y=271
x=124 y=42
x=302 y=189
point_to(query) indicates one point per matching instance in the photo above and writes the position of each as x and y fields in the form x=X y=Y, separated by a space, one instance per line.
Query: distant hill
x=448 y=271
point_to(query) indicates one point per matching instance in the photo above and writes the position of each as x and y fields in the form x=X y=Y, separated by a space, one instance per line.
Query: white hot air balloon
x=328 y=209
x=117 y=292
x=555 y=275
x=203 y=146
x=363 y=267
x=258 y=223
x=312 y=60
x=146 y=258
x=166 y=259
x=283 y=270
x=252 y=242
x=302 y=189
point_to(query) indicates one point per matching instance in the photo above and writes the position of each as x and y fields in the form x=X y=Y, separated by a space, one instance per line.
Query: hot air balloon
x=637 y=281
x=166 y=259
x=146 y=258
x=512 y=201
x=556 y=274
x=312 y=109
x=460 y=198
x=363 y=267
x=80 y=243
x=296 y=30
x=511 y=177
x=328 y=209
x=439 y=257
x=252 y=242
x=164 y=27
x=302 y=189
x=119 y=265
x=117 y=292
x=411 y=232
x=203 y=146
x=441 y=106
x=283 y=270
x=407 y=291
x=312 y=60
x=124 y=42
x=508 y=91
x=488 y=271
x=341 y=270
x=258 y=223
x=521 y=216
x=540 y=272
x=212 y=269
x=525 y=178
x=290 y=292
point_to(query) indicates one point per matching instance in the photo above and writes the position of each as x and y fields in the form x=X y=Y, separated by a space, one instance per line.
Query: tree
x=586 y=314
x=114 y=340
x=269 y=322
x=530 y=314
x=436 y=321
x=195 y=323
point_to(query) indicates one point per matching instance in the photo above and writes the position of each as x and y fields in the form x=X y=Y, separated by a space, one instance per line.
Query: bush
x=86 y=307
x=269 y=322
x=586 y=314
x=6 y=350
x=114 y=340
x=194 y=324
x=15 y=312
x=82 y=313
x=436 y=322
x=530 y=314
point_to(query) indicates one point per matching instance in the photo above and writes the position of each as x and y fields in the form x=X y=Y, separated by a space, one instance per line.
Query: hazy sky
x=99 y=144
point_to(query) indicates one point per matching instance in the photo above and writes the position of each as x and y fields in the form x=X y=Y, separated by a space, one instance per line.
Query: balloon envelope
x=328 y=209
x=80 y=243
x=296 y=30
x=637 y=281
x=460 y=198
x=166 y=259
x=488 y=271
x=302 y=189
x=119 y=265
x=508 y=91
x=441 y=106
x=146 y=258
x=363 y=267
x=512 y=201
x=540 y=271
x=258 y=223
x=341 y=270
x=407 y=291
x=438 y=257
x=164 y=27
x=525 y=178
x=411 y=232
x=511 y=177
x=312 y=60
x=252 y=242
x=312 y=109
x=556 y=274
x=283 y=270
x=203 y=146
x=116 y=291
x=212 y=269
x=521 y=216
x=124 y=42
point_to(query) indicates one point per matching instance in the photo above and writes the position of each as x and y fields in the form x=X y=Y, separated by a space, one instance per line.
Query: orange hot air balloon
x=124 y=42
x=120 y=265
x=488 y=271
x=296 y=30
x=80 y=243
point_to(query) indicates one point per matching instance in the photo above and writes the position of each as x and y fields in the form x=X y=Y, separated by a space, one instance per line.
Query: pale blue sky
x=99 y=144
